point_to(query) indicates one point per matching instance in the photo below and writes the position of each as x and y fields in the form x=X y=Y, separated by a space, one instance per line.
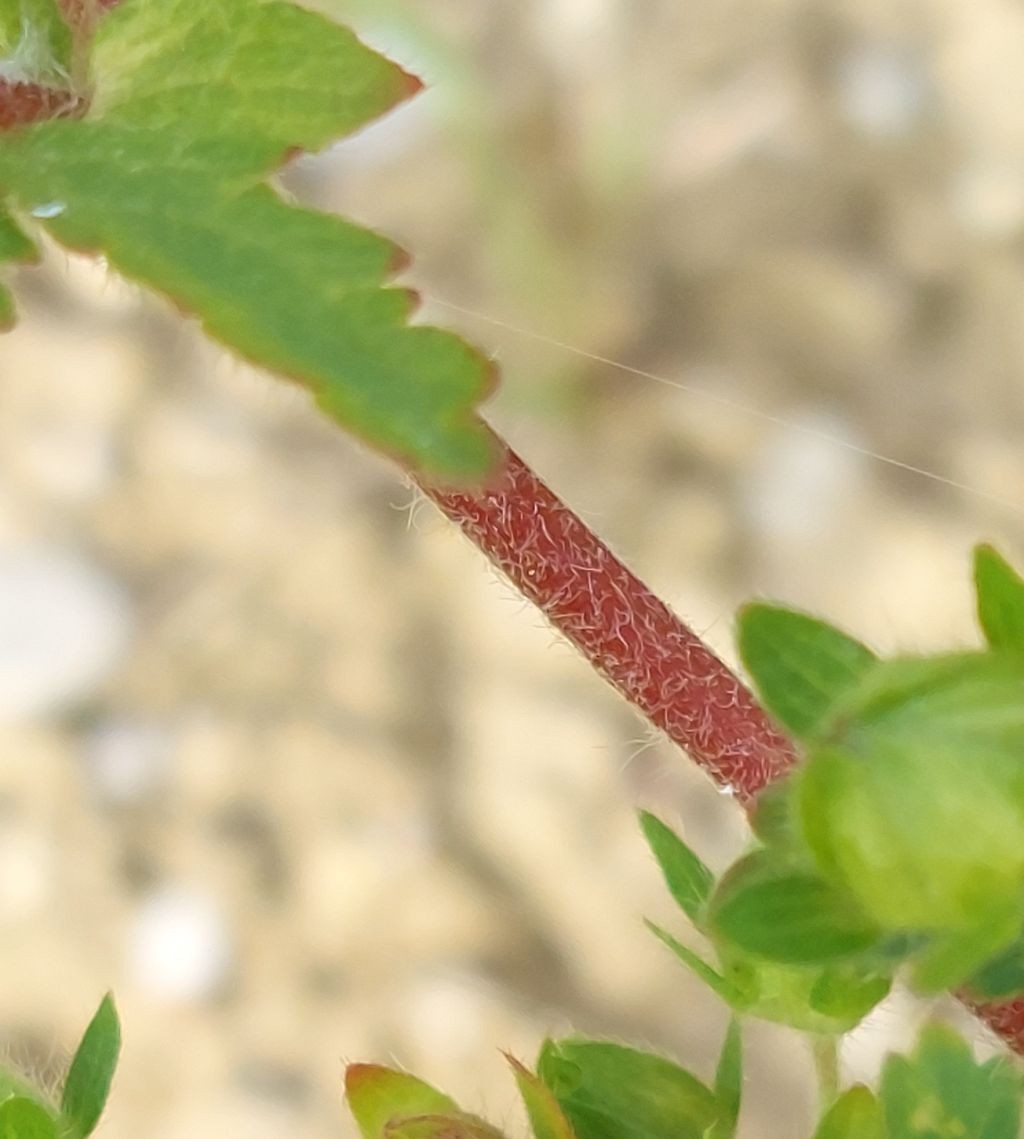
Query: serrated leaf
x=942 y=1091
x=23 y=1118
x=92 y=1070
x=698 y=966
x=689 y=881
x=788 y=914
x=1000 y=591
x=856 y=1114
x=238 y=71
x=609 y=1091
x=546 y=1116
x=160 y=178
x=35 y=41
x=729 y=1084
x=377 y=1095
x=801 y=665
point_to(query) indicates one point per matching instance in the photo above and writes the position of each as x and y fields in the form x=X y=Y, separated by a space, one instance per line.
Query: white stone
x=64 y=626
x=180 y=946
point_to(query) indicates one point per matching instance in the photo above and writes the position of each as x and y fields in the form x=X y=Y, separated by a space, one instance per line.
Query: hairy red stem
x=631 y=637
x=638 y=644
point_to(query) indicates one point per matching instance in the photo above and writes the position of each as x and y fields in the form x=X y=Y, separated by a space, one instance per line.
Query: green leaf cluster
x=901 y=835
x=25 y=1113
x=582 y=1089
x=189 y=108
x=758 y=975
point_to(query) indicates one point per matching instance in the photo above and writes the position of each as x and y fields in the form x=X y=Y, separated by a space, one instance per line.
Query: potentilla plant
x=886 y=796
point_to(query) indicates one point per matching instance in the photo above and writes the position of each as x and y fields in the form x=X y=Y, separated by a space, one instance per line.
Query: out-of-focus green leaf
x=24 y=1118
x=376 y=1096
x=788 y=914
x=1000 y=591
x=801 y=665
x=35 y=42
x=609 y=1091
x=460 y=1126
x=14 y=246
x=856 y=1114
x=162 y=176
x=941 y=1091
x=729 y=1084
x=546 y=1116
x=92 y=1071
x=689 y=881
x=1002 y=976
x=847 y=993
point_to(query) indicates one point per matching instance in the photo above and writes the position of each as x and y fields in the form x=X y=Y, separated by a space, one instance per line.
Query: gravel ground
x=281 y=761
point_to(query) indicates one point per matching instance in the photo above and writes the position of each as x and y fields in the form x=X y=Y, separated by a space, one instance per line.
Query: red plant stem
x=638 y=644
x=631 y=637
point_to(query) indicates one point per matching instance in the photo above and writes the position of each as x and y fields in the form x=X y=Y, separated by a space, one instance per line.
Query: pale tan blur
x=281 y=761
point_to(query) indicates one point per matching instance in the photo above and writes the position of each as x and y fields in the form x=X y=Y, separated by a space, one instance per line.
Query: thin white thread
x=735 y=405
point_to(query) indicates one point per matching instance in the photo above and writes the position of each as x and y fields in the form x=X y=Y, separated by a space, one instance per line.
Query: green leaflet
x=609 y=1091
x=23 y=1118
x=1001 y=977
x=800 y=665
x=14 y=246
x=941 y=1091
x=855 y=1115
x=91 y=1072
x=546 y=1117
x=35 y=42
x=689 y=881
x=235 y=71
x=729 y=1084
x=377 y=1095
x=1000 y=591
x=194 y=103
x=788 y=914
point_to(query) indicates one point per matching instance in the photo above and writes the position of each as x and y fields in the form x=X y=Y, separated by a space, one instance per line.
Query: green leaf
x=91 y=1072
x=609 y=1091
x=916 y=804
x=773 y=818
x=377 y=1095
x=788 y=914
x=162 y=175
x=35 y=41
x=846 y=994
x=941 y=1091
x=729 y=1084
x=238 y=71
x=1002 y=976
x=458 y=1126
x=23 y=1118
x=546 y=1117
x=14 y=246
x=697 y=965
x=856 y=1114
x=689 y=881
x=1000 y=591
x=800 y=665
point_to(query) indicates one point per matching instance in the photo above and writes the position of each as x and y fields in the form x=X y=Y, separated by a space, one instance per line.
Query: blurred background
x=281 y=761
